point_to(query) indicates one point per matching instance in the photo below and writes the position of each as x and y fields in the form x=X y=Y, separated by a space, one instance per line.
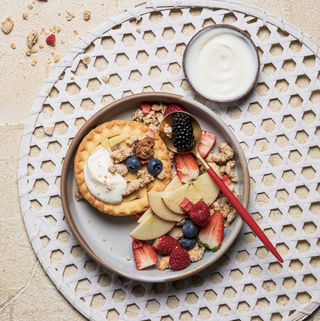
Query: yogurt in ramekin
x=221 y=63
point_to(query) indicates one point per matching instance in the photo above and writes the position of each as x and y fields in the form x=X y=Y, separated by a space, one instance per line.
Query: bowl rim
x=244 y=34
x=73 y=147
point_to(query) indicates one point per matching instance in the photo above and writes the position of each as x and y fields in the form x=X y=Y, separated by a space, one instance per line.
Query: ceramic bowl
x=242 y=34
x=106 y=238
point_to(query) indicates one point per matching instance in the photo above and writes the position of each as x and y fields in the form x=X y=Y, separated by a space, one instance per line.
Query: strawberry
x=206 y=143
x=187 y=167
x=211 y=235
x=200 y=213
x=137 y=216
x=179 y=259
x=145 y=161
x=51 y=40
x=226 y=180
x=186 y=204
x=144 y=254
x=171 y=108
x=165 y=244
x=150 y=133
x=145 y=108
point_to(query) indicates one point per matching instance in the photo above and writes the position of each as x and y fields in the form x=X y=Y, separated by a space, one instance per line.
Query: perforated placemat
x=140 y=49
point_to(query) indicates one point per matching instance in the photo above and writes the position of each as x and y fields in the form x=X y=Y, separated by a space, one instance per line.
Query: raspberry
x=165 y=244
x=51 y=40
x=179 y=259
x=200 y=213
x=171 y=108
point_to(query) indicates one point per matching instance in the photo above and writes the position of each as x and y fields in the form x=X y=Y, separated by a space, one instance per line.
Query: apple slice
x=176 y=232
x=145 y=215
x=203 y=188
x=151 y=228
x=174 y=184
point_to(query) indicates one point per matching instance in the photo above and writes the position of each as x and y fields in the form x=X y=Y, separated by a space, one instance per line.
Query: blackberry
x=182 y=131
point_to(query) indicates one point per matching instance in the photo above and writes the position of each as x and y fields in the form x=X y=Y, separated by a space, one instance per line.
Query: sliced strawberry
x=211 y=235
x=171 y=108
x=187 y=167
x=206 y=143
x=145 y=161
x=137 y=216
x=144 y=254
x=165 y=244
x=145 y=108
x=150 y=133
x=186 y=204
x=226 y=180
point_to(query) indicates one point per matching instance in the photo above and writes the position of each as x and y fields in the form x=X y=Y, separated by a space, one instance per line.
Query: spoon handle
x=243 y=213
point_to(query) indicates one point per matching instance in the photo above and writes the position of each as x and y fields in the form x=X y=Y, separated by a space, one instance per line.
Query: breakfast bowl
x=106 y=238
x=221 y=63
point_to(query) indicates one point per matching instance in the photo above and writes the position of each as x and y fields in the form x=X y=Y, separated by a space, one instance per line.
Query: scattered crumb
x=88 y=221
x=86 y=15
x=28 y=53
x=49 y=61
x=103 y=240
x=41 y=46
x=110 y=247
x=71 y=77
x=58 y=29
x=24 y=77
x=7 y=123
x=70 y=15
x=105 y=79
x=77 y=193
x=128 y=258
x=25 y=16
x=62 y=41
x=13 y=46
x=59 y=13
x=48 y=91
x=30 y=6
x=138 y=30
x=33 y=62
x=34 y=50
x=32 y=38
x=57 y=58
x=75 y=32
x=7 y=25
x=49 y=130
x=86 y=60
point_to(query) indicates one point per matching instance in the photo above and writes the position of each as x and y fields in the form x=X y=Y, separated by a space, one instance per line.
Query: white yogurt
x=99 y=180
x=221 y=64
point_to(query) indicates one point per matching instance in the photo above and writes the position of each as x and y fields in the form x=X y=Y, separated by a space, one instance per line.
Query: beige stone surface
x=26 y=293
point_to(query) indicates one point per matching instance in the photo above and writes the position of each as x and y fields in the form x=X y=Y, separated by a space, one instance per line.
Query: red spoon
x=224 y=188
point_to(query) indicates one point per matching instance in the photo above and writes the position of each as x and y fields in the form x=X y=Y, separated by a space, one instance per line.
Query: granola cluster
x=144 y=148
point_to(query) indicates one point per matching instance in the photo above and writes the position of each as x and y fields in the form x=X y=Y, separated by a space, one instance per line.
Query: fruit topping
x=150 y=133
x=144 y=148
x=165 y=244
x=133 y=163
x=226 y=180
x=186 y=204
x=171 y=108
x=182 y=131
x=51 y=40
x=179 y=259
x=154 y=166
x=188 y=243
x=144 y=254
x=145 y=108
x=206 y=143
x=137 y=216
x=186 y=166
x=199 y=213
x=189 y=229
x=211 y=235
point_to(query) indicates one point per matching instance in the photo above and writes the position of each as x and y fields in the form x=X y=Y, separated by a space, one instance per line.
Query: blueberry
x=189 y=229
x=133 y=163
x=154 y=166
x=188 y=243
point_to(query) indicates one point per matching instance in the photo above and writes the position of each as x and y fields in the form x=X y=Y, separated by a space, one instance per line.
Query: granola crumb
x=34 y=50
x=164 y=263
x=28 y=53
x=86 y=15
x=162 y=175
x=58 y=29
x=7 y=25
x=41 y=46
x=88 y=221
x=103 y=240
x=105 y=79
x=33 y=62
x=77 y=193
x=25 y=16
x=138 y=30
x=75 y=32
x=30 y=6
x=128 y=258
x=110 y=247
x=49 y=130
x=168 y=130
x=70 y=15
x=32 y=38
x=71 y=77
x=63 y=42
x=86 y=60
x=13 y=46
x=59 y=13
x=7 y=123
x=57 y=58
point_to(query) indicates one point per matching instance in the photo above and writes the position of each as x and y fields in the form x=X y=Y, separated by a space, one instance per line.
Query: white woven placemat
x=276 y=125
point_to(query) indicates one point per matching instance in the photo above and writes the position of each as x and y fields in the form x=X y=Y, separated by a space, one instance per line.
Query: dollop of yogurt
x=102 y=184
x=221 y=64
